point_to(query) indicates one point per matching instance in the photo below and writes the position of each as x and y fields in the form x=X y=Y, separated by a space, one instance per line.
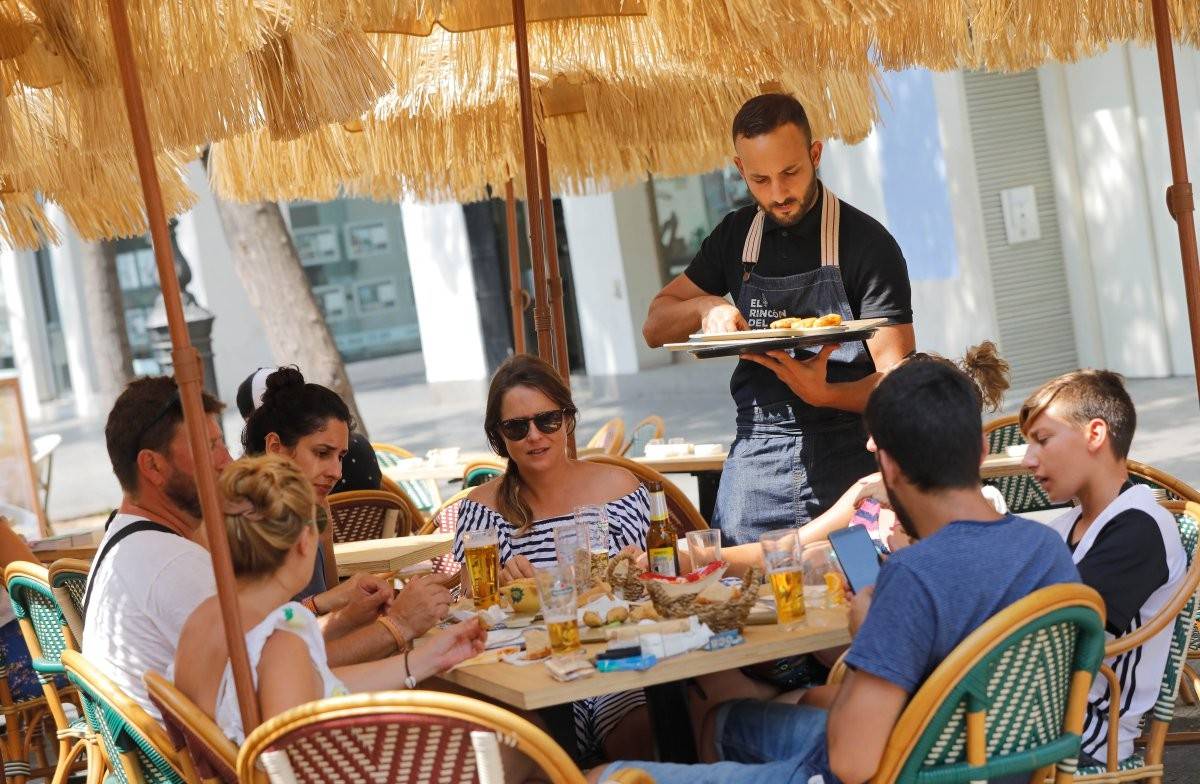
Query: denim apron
x=790 y=460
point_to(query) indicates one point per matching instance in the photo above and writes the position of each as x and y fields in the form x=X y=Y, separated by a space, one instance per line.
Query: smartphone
x=857 y=556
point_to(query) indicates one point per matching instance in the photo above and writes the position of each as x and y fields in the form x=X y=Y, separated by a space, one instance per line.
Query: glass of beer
x=822 y=577
x=481 y=552
x=556 y=589
x=572 y=547
x=595 y=519
x=704 y=547
x=781 y=557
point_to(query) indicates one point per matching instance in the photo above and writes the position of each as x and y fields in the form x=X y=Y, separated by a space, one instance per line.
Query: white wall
x=444 y=287
x=26 y=321
x=1104 y=119
x=614 y=262
x=239 y=343
x=66 y=262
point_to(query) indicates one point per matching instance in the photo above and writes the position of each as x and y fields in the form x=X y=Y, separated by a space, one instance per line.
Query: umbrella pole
x=189 y=373
x=516 y=293
x=554 y=275
x=1179 y=193
x=541 y=314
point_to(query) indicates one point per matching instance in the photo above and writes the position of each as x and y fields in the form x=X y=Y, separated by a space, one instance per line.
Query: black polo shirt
x=872 y=265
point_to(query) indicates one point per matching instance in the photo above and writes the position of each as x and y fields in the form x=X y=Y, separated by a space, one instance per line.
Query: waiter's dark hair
x=925 y=415
x=764 y=113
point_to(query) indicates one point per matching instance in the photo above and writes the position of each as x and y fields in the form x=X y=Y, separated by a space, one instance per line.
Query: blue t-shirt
x=931 y=595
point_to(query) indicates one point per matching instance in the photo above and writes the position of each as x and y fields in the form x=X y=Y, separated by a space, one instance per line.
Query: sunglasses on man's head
x=547 y=422
x=172 y=402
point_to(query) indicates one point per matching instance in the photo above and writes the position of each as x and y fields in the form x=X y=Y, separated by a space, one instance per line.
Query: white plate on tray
x=751 y=334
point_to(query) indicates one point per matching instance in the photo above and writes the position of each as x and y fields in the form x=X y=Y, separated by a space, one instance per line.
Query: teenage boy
x=1079 y=427
x=968 y=563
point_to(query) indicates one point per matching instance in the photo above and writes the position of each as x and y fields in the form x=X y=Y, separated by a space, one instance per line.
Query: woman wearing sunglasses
x=528 y=420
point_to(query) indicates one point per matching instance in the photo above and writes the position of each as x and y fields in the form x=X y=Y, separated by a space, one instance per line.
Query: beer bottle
x=660 y=538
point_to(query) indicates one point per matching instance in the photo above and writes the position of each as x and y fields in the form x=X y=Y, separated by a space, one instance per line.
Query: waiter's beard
x=810 y=199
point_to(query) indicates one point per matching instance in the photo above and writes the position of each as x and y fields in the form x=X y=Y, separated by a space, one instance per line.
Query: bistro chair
x=643 y=432
x=682 y=512
x=482 y=471
x=193 y=735
x=1169 y=487
x=1022 y=493
x=1147 y=763
x=47 y=636
x=68 y=580
x=610 y=438
x=408 y=736
x=423 y=492
x=1008 y=699
x=371 y=514
x=134 y=746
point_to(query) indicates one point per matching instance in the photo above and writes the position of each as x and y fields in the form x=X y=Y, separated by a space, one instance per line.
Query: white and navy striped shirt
x=628 y=520
x=1132 y=555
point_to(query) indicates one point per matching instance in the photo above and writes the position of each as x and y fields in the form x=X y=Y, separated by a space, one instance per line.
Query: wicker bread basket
x=629 y=585
x=719 y=617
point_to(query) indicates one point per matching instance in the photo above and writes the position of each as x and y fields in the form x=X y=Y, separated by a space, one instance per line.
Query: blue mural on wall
x=915 y=191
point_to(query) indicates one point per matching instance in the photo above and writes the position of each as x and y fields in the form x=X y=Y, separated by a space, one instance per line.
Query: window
x=317 y=245
x=376 y=295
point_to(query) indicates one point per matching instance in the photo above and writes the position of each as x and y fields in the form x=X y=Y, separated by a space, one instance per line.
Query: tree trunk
x=267 y=263
x=104 y=311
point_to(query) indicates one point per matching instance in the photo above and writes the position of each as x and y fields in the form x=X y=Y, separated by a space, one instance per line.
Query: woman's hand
x=446 y=648
x=422 y=604
x=515 y=568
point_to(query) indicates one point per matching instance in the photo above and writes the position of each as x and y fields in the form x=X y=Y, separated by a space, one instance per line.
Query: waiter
x=799 y=252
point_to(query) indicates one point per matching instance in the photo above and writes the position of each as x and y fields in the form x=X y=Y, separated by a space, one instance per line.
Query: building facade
x=1029 y=207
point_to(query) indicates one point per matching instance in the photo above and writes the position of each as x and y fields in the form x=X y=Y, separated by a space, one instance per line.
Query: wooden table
x=997 y=466
x=532 y=687
x=385 y=555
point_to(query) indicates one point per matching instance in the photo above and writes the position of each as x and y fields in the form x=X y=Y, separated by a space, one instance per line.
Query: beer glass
x=572 y=547
x=482 y=555
x=781 y=557
x=822 y=577
x=556 y=589
x=595 y=520
x=704 y=547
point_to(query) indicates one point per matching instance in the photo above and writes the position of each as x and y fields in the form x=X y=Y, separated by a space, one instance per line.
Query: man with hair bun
x=798 y=251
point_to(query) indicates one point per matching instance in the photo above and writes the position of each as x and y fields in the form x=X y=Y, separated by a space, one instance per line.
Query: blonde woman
x=273 y=540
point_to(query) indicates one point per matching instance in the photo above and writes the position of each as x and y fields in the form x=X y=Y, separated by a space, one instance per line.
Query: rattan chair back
x=643 y=432
x=424 y=493
x=1022 y=493
x=135 y=747
x=68 y=580
x=610 y=437
x=1009 y=699
x=482 y=471
x=193 y=733
x=370 y=514
x=682 y=512
x=1169 y=487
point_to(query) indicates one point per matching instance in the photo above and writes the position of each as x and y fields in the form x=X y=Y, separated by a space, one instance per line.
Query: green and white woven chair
x=1171 y=488
x=644 y=432
x=1022 y=493
x=47 y=636
x=134 y=745
x=1008 y=700
x=1181 y=611
x=68 y=580
x=422 y=492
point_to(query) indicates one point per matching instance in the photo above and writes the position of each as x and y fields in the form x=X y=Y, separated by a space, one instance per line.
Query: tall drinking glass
x=556 y=589
x=572 y=546
x=704 y=547
x=482 y=554
x=595 y=519
x=781 y=556
x=822 y=577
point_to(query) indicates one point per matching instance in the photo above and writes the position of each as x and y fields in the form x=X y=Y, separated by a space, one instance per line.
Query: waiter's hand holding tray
x=759 y=341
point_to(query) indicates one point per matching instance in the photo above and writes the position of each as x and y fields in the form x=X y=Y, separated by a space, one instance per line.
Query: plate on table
x=751 y=334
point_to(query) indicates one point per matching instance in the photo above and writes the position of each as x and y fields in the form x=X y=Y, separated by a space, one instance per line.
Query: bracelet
x=310 y=603
x=409 y=681
x=394 y=630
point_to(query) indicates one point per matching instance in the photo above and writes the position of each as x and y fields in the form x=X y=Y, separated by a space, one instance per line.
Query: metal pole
x=188 y=371
x=541 y=312
x=1179 y=193
x=515 y=292
x=554 y=274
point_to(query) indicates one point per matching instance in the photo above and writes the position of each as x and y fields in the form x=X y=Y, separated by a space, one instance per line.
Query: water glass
x=481 y=552
x=822 y=576
x=781 y=557
x=704 y=547
x=556 y=589
x=572 y=546
x=594 y=518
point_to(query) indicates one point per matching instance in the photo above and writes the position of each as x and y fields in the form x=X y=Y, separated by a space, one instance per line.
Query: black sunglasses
x=547 y=422
x=172 y=402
